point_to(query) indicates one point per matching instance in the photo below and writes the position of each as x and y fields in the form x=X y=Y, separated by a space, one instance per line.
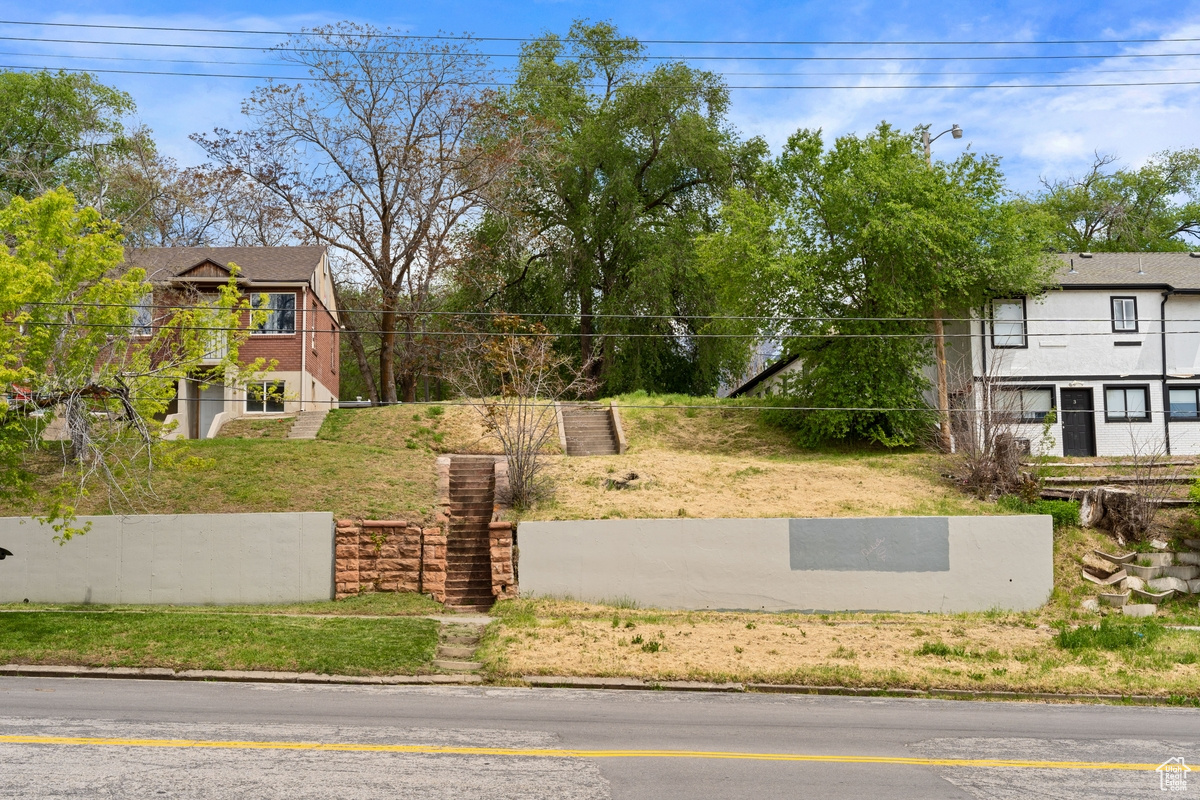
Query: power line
x=723 y=72
x=287 y=78
x=681 y=336
x=468 y=37
x=729 y=404
x=197 y=46
x=576 y=315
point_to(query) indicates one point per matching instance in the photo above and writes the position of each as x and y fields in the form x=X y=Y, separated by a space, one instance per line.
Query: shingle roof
x=1174 y=270
x=258 y=264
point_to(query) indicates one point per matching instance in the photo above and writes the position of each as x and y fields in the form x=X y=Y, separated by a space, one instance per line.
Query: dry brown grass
x=1014 y=652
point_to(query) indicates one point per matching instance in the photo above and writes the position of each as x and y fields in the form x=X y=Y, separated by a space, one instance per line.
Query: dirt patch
x=688 y=484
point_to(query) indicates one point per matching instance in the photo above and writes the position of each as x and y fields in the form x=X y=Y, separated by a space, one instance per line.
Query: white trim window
x=265 y=397
x=1008 y=323
x=281 y=312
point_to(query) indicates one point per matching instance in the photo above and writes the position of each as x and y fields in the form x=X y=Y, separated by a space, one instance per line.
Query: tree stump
x=1126 y=513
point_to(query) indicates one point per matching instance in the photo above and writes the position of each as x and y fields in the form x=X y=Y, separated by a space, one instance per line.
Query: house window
x=1127 y=403
x=1027 y=403
x=281 y=312
x=1124 y=315
x=1008 y=323
x=143 y=316
x=264 y=397
x=1184 y=402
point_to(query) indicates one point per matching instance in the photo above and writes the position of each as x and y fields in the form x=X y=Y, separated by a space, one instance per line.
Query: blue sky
x=1038 y=132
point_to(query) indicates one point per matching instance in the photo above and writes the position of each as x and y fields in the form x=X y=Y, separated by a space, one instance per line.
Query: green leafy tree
x=1152 y=208
x=863 y=242
x=599 y=220
x=60 y=129
x=85 y=383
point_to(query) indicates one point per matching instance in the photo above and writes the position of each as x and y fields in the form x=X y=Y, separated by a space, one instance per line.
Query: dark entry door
x=1079 y=424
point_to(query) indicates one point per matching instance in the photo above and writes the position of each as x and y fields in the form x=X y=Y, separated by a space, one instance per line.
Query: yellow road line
x=336 y=747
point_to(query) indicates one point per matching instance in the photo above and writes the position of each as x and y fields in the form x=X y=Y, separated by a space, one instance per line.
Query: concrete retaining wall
x=189 y=559
x=946 y=564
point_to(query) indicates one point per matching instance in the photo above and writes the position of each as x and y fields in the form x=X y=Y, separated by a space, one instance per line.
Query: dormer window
x=1124 y=315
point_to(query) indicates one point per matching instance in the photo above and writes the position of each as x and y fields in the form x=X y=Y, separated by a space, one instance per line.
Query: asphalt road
x=151 y=739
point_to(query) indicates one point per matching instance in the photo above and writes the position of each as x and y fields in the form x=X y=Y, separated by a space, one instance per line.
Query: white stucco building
x=1115 y=351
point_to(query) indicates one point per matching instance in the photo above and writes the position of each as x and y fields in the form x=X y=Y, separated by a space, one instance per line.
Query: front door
x=1079 y=424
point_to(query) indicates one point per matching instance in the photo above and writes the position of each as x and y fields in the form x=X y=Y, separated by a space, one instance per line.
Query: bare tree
x=379 y=155
x=512 y=377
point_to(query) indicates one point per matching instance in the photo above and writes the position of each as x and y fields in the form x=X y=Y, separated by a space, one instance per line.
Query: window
x=264 y=397
x=1124 y=315
x=1127 y=403
x=1183 y=402
x=1027 y=403
x=143 y=316
x=281 y=312
x=1008 y=323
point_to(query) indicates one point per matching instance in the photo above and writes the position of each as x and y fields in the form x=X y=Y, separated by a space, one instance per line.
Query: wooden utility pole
x=945 y=434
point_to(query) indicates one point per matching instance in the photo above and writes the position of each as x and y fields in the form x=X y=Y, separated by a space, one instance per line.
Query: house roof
x=1180 y=271
x=257 y=264
x=762 y=376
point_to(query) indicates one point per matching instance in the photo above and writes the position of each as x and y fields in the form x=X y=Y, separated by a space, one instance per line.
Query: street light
x=953 y=130
x=939 y=334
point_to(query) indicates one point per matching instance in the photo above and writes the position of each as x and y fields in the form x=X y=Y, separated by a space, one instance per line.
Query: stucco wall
x=189 y=559
x=948 y=564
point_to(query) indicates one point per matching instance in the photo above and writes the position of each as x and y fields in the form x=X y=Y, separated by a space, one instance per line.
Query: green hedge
x=1064 y=512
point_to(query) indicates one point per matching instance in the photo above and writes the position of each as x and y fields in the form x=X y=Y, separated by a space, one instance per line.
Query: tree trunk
x=387 y=349
x=356 y=345
x=945 y=437
x=587 y=348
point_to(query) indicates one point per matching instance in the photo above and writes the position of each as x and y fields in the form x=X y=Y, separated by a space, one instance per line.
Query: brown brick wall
x=291 y=351
x=389 y=556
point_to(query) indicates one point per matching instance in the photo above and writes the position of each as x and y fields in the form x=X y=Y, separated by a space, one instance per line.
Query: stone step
x=457 y=666
x=457 y=653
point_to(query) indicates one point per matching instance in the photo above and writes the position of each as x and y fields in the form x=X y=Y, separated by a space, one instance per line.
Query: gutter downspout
x=1162 y=332
x=303 y=345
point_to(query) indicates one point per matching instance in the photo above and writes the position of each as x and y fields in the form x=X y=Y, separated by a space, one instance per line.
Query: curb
x=566 y=682
x=243 y=676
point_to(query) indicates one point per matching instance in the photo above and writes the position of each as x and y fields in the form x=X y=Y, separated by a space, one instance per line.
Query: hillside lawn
x=707 y=458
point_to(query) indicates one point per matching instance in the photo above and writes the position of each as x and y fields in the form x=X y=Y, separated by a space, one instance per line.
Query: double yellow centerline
x=421 y=749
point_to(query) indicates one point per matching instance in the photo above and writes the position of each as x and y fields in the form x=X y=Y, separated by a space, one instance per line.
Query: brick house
x=301 y=331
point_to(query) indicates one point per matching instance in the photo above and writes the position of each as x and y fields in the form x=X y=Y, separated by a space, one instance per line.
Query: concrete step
x=455 y=653
x=457 y=666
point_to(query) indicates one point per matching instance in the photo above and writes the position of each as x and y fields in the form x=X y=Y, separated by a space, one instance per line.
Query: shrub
x=1064 y=512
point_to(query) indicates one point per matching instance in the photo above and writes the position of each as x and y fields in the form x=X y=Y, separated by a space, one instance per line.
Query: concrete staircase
x=307 y=424
x=589 y=431
x=468 y=547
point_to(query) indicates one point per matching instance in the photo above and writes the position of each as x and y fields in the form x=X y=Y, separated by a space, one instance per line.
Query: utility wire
x=723 y=72
x=575 y=315
x=468 y=37
x=758 y=336
x=335 y=50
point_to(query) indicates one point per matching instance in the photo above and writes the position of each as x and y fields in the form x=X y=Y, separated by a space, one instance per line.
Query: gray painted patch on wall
x=889 y=544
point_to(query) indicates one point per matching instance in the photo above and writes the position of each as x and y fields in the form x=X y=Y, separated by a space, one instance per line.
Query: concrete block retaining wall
x=188 y=559
x=946 y=564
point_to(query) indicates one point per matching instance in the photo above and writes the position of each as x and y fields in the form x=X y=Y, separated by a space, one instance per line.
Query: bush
x=1109 y=636
x=1064 y=512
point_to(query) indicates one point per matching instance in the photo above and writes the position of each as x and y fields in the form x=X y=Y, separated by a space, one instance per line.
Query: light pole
x=946 y=437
